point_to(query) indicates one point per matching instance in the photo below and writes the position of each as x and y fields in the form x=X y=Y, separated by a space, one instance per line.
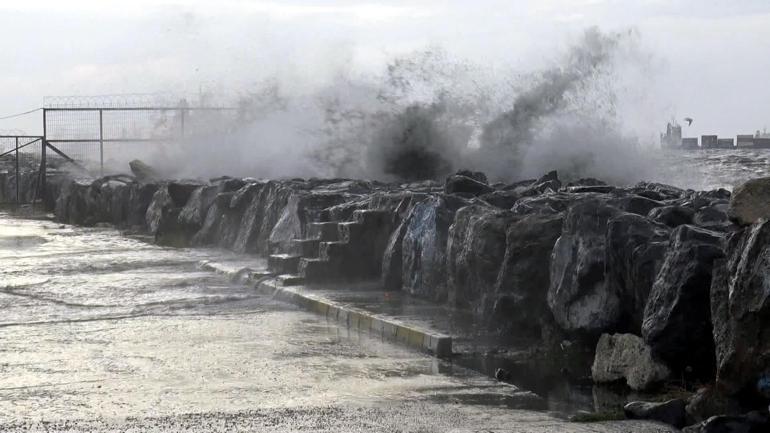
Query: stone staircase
x=337 y=250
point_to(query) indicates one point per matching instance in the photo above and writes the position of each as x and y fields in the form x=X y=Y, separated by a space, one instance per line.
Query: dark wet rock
x=752 y=422
x=181 y=191
x=139 y=199
x=548 y=204
x=627 y=357
x=670 y=412
x=229 y=184
x=587 y=181
x=475 y=250
x=578 y=295
x=750 y=202
x=637 y=204
x=551 y=176
x=740 y=310
x=392 y=260
x=672 y=215
x=708 y=402
x=519 y=302
x=424 y=247
x=635 y=250
x=194 y=211
x=547 y=183
x=301 y=209
x=501 y=199
x=475 y=175
x=458 y=184
x=392 y=257
x=713 y=217
x=699 y=199
x=677 y=317
x=72 y=204
x=265 y=206
x=536 y=189
x=143 y=172
x=520 y=184
x=162 y=220
x=662 y=191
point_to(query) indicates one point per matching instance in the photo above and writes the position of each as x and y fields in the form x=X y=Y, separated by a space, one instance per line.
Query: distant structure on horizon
x=673 y=135
x=673 y=139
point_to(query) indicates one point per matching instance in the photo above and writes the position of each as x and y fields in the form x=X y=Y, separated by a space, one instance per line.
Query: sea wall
x=546 y=262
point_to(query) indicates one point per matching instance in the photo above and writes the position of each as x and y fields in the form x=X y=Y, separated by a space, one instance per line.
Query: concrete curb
x=436 y=344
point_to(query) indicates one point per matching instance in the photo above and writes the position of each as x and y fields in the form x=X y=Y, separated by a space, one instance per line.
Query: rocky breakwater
x=657 y=287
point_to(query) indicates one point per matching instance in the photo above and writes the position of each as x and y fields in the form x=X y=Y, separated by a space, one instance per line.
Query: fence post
x=17 y=171
x=101 y=144
x=43 y=164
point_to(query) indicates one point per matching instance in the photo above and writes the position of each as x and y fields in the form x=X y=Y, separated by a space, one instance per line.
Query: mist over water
x=427 y=115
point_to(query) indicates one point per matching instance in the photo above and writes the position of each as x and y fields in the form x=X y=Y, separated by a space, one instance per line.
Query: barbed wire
x=11 y=116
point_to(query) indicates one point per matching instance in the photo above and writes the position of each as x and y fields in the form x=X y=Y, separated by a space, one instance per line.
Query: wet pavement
x=101 y=332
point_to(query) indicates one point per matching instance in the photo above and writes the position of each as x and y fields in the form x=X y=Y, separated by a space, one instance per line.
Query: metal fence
x=100 y=134
x=20 y=163
x=113 y=135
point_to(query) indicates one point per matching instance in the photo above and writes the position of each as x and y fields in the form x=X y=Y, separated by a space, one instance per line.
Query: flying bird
x=688 y=120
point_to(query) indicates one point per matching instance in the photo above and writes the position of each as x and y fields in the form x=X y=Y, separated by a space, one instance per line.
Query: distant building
x=709 y=141
x=762 y=142
x=673 y=135
x=690 y=143
x=725 y=143
x=745 y=140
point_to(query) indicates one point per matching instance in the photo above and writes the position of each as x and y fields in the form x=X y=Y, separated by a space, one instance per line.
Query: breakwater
x=659 y=284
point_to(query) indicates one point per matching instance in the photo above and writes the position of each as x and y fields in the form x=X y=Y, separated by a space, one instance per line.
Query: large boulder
x=677 y=317
x=713 y=217
x=459 y=184
x=637 y=204
x=519 y=303
x=740 y=308
x=162 y=219
x=194 y=211
x=475 y=251
x=670 y=412
x=143 y=172
x=634 y=254
x=424 y=247
x=72 y=205
x=139 y=199
x=627 y=357
x=750 y=202
x=672 y=215
x=260 y=205
x=578 y=296
x=658 y=191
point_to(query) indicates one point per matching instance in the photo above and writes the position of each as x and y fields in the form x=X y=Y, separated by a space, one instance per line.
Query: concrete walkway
x=433 y=328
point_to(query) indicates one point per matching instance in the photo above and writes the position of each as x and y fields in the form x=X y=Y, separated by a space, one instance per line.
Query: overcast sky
x=710 y=58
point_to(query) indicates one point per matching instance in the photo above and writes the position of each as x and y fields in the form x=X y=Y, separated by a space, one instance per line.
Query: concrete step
x=283 y=263
x=286 y=280
x=317 y=270
x=372 y=216
x=325 y=231
x=351 y=231
x=307 y=247
x=336 y=251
